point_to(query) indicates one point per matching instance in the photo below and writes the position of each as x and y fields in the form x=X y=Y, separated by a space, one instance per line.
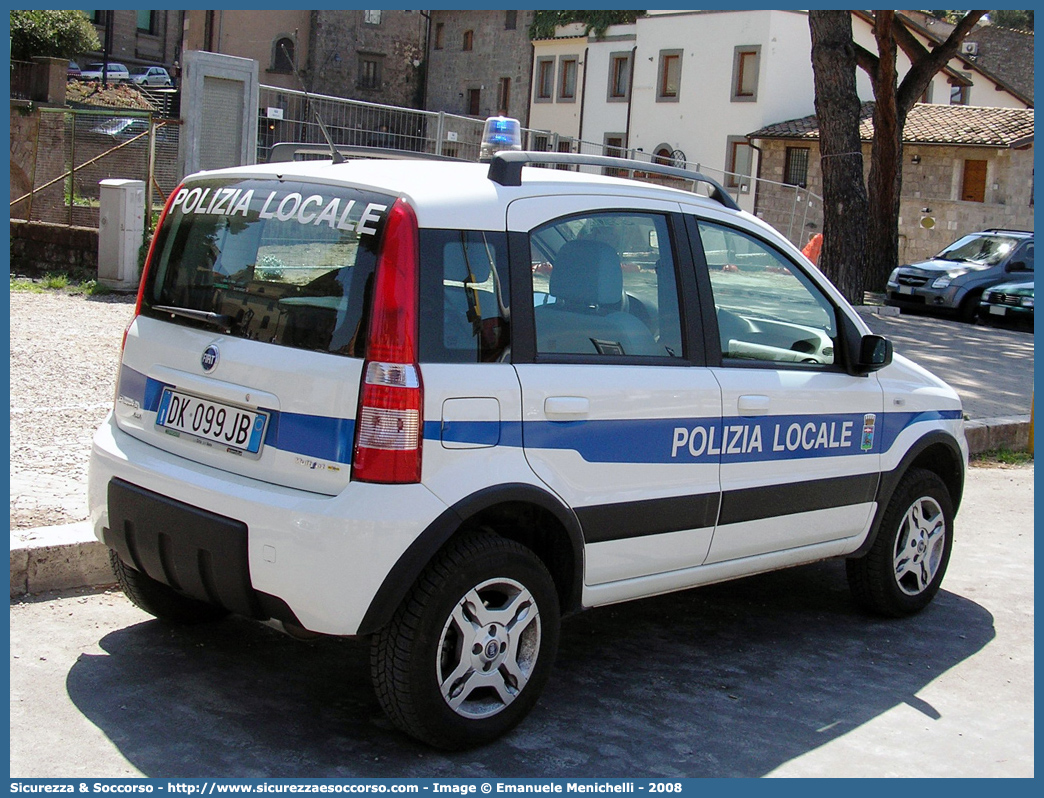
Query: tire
x=969 y=308
x=902 y=571
x=470 y=648
x=160 y=600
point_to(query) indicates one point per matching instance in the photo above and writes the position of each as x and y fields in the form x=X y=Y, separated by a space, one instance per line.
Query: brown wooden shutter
x=974 y=187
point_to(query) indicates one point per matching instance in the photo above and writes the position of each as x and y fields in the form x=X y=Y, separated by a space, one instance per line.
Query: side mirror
x=863 y=353
x=1016 y=266
x=875 y=352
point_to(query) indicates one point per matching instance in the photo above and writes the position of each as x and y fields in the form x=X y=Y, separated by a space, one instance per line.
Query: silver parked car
x=150 y=76
x=115 y=71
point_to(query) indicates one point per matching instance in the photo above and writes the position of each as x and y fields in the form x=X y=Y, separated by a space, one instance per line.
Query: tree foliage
x=58 y=34
x=1013 y=18
x=545 y=22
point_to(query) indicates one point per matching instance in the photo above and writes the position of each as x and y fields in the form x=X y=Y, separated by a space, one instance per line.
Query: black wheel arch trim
x=890 y=481
x=412 y=562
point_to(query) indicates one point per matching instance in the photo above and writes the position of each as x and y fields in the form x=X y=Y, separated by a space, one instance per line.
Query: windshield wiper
x=222 y=320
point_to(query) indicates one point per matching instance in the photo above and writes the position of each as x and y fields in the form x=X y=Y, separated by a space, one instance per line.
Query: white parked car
x=116 y=72
x=440 y=404
x=150 y=76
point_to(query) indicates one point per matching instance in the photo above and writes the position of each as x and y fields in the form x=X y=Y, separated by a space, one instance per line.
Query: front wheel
x=469 y=650
x=904 y=568
x=969 y=308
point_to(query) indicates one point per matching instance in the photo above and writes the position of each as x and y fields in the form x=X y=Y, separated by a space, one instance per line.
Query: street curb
x=988 y=434
x=70 y=556
x=58 y=558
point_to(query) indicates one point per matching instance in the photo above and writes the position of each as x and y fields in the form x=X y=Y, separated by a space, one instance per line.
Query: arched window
x=283 y=55
x=469 y=39
x=663 y=156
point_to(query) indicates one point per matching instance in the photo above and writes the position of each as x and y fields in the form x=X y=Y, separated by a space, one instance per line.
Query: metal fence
x=74 y=149
x=793 y=210
x=290 y=116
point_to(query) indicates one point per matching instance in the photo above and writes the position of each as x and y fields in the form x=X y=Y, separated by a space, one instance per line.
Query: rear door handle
x=566 y=408
x=753 y=405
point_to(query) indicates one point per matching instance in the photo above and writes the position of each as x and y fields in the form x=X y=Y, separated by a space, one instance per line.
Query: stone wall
x=496 y=53
x=933 y=183
x=38 y=248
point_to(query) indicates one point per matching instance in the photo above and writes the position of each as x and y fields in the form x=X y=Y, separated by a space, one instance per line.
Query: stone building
x=480 y=63
x=375 y=56
x=277 y=40
x=964 y=169
x=139 y=37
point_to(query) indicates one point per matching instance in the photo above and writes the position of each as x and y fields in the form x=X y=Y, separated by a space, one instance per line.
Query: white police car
x=442 y=404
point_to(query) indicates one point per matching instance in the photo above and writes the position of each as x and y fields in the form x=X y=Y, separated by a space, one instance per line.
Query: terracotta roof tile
x=928 y=124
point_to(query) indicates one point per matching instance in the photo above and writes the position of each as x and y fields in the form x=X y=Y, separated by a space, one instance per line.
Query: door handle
x=566 y=408
x=753 y=405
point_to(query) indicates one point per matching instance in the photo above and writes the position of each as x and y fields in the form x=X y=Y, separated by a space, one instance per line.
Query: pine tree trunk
x=886 y=161
x=845 y=205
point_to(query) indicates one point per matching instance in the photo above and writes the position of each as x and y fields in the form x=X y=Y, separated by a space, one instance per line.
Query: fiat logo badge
x=210 y=358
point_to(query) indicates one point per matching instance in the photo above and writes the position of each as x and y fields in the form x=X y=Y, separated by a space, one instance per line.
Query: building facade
x=278 y=40
x=964 y=169
x=377 y=56
x=138 y=38
x=690 y=85
x=480 y=63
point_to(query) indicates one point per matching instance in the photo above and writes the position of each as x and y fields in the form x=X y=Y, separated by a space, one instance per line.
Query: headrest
x=455 y=267
x=587 y=272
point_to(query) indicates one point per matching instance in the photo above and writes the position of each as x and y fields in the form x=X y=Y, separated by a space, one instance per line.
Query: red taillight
x=389 y=428
x=148 y=261
x=141 y=282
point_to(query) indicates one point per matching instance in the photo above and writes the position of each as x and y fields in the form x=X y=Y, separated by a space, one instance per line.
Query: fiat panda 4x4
x=441 y=404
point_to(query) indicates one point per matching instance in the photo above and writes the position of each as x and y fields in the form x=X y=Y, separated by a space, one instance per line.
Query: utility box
x=121 y=230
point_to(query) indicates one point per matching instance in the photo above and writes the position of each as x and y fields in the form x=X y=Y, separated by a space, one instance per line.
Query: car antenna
x=337 y=157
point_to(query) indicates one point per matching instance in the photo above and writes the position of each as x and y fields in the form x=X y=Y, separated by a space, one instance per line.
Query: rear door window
x=465 y=305
x=287 y=263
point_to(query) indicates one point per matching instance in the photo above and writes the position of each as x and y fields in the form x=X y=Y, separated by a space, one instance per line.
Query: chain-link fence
x=72 y=150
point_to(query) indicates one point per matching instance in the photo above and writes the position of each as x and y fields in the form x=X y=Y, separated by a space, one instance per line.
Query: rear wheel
x=469 y=650
x=904 y=568
x=160 y=600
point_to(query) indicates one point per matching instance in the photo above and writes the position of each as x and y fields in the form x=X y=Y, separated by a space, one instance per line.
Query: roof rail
x=505 y=168
x=285 y=151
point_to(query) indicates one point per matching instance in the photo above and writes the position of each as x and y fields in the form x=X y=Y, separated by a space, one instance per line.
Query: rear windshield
x=284 y=262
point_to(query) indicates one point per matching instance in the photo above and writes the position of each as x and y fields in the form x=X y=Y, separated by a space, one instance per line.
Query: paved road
x=771 y=675
x=990 y=367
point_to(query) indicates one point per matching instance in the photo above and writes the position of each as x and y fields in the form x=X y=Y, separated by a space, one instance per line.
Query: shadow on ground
x=729 y=680
x=990 y=367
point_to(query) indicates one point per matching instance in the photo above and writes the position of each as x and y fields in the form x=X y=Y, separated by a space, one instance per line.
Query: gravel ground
x=64 y=355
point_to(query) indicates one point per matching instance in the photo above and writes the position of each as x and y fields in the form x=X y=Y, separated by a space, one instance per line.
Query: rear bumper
x=256 y=548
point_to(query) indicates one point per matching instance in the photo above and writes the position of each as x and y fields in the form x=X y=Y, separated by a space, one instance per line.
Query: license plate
x=905 y=289
x=235 y=429
x=997 y=310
